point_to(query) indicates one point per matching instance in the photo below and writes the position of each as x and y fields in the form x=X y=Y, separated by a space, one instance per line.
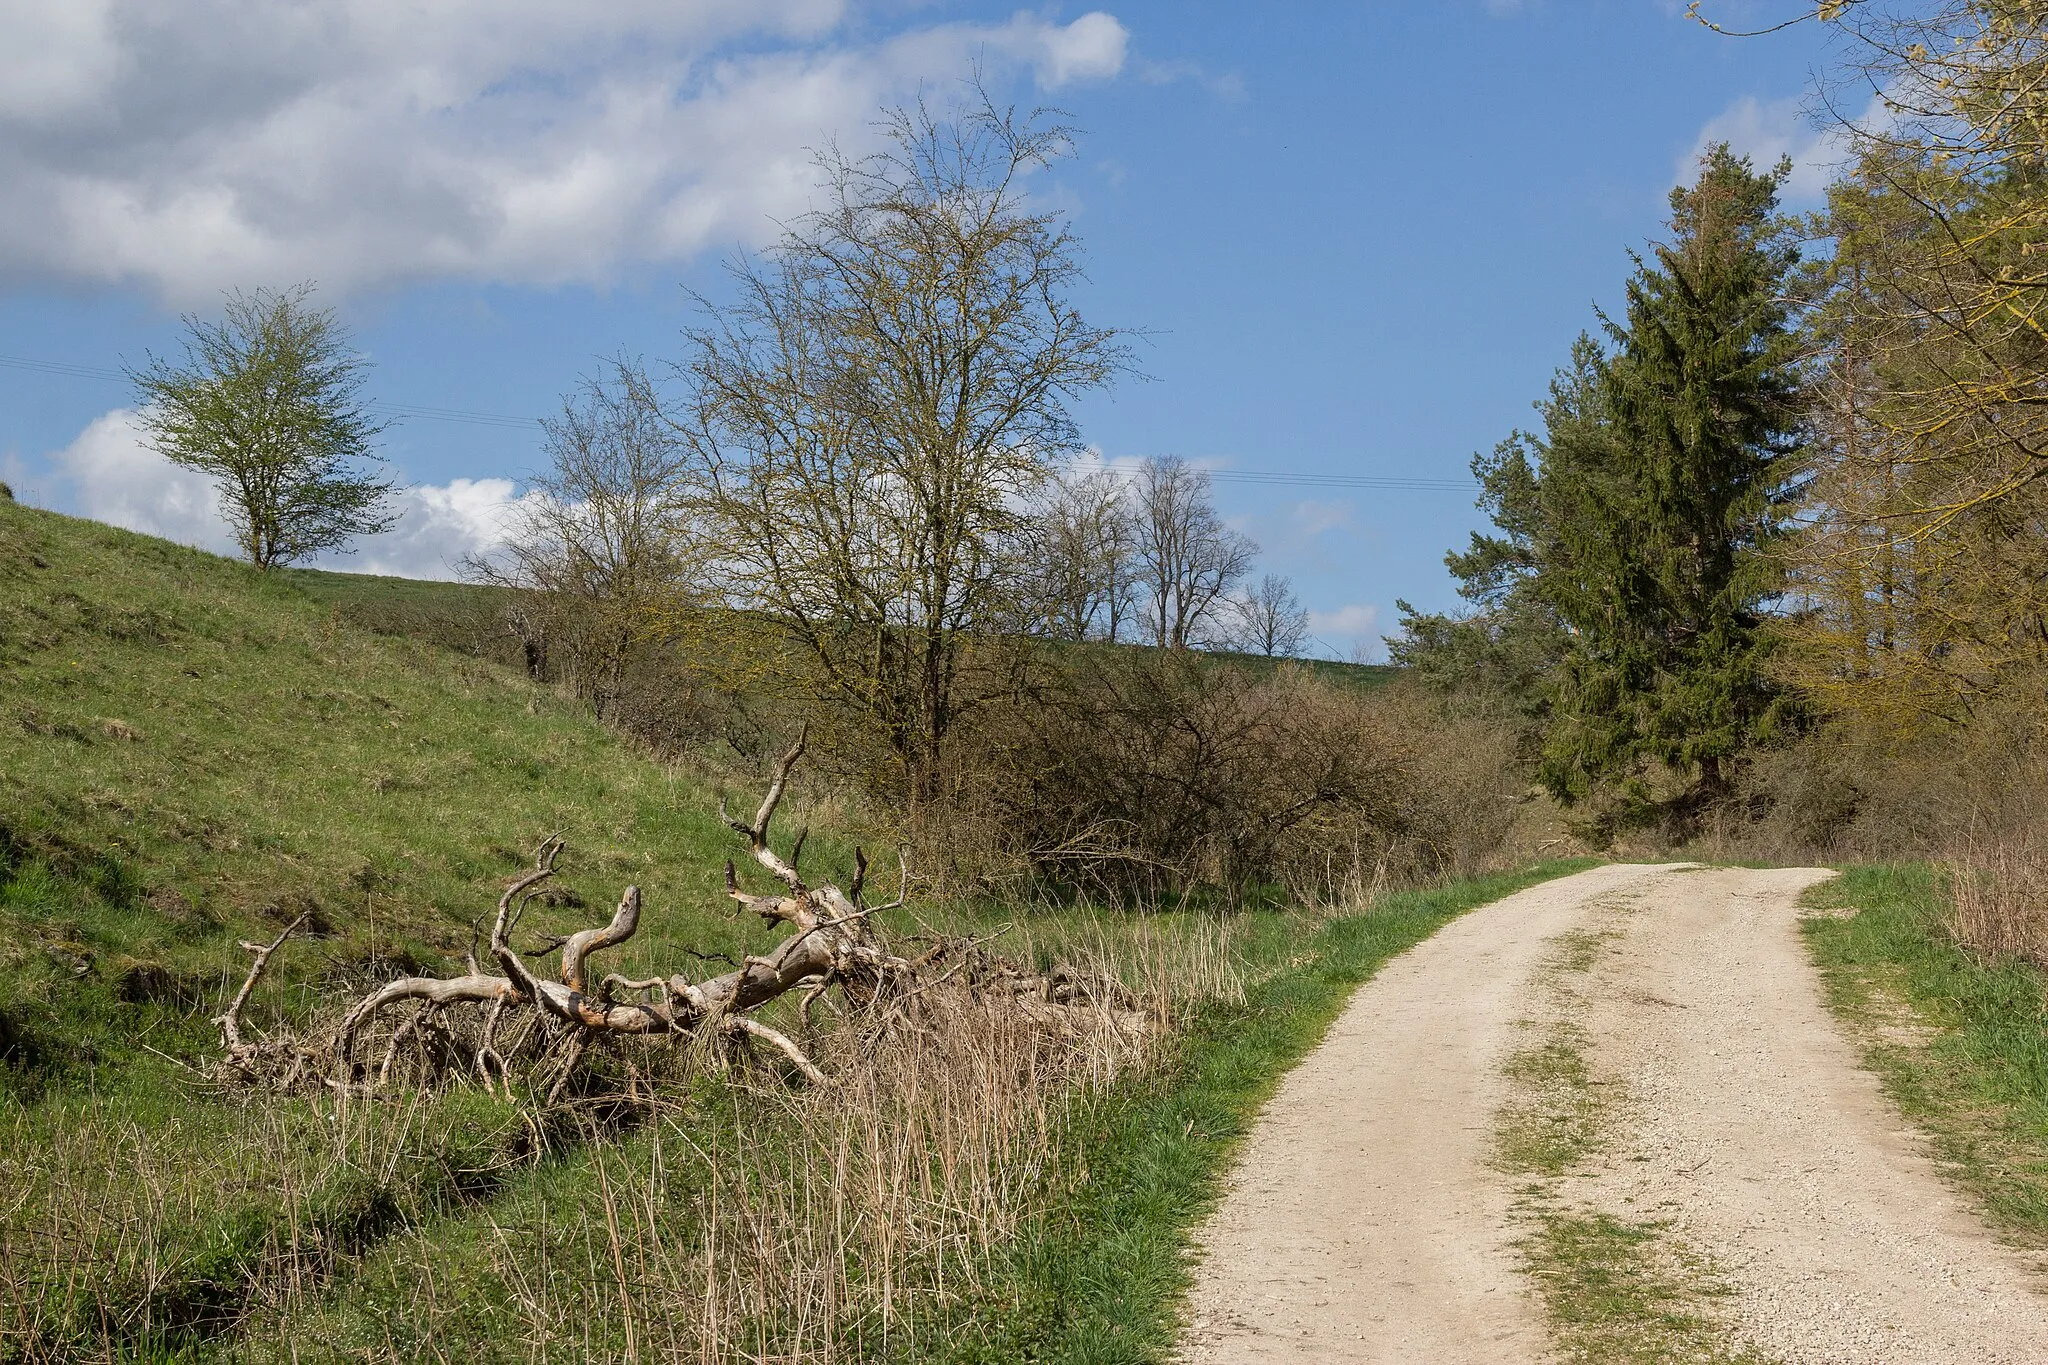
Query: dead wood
x=522 y=1016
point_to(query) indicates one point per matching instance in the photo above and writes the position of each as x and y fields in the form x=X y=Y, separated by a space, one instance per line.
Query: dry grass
x=2000 y=905
x=125 y=1229
x=718 y=1212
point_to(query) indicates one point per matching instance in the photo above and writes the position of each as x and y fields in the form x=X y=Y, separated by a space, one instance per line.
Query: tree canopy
x=1623 y=599
x=268 y=403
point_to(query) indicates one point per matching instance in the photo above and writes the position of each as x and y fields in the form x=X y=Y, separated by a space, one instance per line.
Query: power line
x=1259 y=476
x=52 y=367
x=505 y=422
x=481 y=419
x=491 y=419
x=1128 y=467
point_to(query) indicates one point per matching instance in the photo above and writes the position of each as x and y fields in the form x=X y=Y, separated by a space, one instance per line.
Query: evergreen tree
x=1499 y=656
x=1661 y=497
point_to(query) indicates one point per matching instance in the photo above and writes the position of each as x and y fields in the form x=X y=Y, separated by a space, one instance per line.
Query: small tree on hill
x=267 y=404
x=597 y=544
x=1084 y=556
x=871 y=417
x=1267 y=618
x=1189 y=560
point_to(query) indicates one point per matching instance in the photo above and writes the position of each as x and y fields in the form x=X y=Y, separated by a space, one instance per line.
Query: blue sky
x=1360 y=236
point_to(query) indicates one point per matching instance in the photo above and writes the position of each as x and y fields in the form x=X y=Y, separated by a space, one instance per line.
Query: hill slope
x=193 y=752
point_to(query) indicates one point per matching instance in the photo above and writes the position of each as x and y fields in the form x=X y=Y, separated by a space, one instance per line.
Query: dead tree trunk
x=833 y=944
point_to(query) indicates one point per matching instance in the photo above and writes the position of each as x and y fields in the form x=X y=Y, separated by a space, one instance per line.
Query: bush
x=1141 y=773
x=1970 y=796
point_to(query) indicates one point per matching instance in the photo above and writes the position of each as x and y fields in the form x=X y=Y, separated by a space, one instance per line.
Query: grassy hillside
x=192 y=752
x=469 y=617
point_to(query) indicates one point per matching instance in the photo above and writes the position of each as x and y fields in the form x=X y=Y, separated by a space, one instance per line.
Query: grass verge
x=1959 y=1042
x=1100 y=1278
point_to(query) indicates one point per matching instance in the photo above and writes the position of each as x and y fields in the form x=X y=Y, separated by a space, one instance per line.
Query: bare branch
x=782 y=1044
x=231 y=1022
x=757 y=833
x=578 y=946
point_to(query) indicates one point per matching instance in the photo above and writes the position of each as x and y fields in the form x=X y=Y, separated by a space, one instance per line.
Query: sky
x=1356 y=238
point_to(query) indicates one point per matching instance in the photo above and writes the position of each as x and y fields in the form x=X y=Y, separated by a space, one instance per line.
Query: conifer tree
x=1661 y=501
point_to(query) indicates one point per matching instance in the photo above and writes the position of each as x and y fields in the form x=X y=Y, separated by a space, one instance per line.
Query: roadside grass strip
x=1960 y=1044
x=1101 y=1278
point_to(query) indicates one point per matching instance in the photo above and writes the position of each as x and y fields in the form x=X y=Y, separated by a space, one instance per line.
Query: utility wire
x=504 y=422
x=489 y=419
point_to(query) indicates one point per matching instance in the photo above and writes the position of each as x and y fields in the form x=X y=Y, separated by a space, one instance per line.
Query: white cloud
x=366 y=142
x=1310 y=518
x=1226 y=85
x=1090 y=48
x=110 y=475
x=115 y=478
x=1353 y=625
x=438 y=525
x=1766 y=130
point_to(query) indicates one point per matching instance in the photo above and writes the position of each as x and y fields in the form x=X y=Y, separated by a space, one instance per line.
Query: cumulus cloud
x=113 y=477
x=367 y=142
x=438 y=526
x=1766 y=130
x=109 y=474
x=1090 y=48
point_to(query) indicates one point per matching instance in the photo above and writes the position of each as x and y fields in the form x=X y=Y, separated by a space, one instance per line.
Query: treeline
x=858 y=503
x=1774 y=567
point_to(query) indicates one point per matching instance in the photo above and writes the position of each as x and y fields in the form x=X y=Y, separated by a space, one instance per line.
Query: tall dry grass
x=1970 y=798
x=2000 y=897
x=131 y=1222
x=730 y=1215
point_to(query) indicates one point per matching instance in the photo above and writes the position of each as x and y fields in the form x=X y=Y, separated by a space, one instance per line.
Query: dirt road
x=1370 y=1220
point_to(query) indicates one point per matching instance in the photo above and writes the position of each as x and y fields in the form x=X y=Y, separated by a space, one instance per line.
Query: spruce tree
x=1663 y=490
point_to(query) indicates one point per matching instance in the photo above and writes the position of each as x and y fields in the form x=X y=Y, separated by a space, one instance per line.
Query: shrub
x=1141 y=773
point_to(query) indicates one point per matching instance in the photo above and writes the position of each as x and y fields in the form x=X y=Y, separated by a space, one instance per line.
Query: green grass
x=1101 y=1278
x=1626 y=1293
x=1615 y=1289
x=1961 y=1044
x=192 y=752
x=469 y=617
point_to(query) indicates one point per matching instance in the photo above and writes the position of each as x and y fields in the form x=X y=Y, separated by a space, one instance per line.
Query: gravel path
x=1365 y=1224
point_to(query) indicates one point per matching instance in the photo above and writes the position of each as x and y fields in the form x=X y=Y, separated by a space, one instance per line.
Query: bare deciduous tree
x=872 y=416
x=1189 y=558
x=1265 y=618
x=1086 y=557
x=596 y=543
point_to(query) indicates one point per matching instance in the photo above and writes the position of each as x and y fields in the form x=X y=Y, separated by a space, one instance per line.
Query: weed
x=1621 y=1291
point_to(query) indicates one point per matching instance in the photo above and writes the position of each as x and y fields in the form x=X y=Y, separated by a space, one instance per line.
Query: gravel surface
x=1755 y=1130
x=1364 y=1222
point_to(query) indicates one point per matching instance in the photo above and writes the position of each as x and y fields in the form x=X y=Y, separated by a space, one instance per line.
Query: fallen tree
x=835 y=947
